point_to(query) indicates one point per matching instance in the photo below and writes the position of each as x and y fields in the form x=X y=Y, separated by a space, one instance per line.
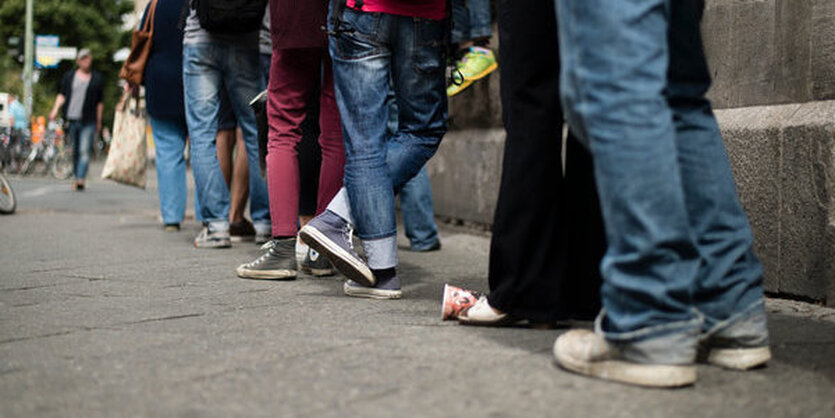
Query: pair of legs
x=170 y=136
x=207 y=68
x=295 y=73
x=373 y=55
x=547 y=231
x=82 y=134
x=386 y=52
x=679 y=264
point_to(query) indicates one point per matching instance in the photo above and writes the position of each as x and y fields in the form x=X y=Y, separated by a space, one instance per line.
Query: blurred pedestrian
x=679 y=272
x=81 y=101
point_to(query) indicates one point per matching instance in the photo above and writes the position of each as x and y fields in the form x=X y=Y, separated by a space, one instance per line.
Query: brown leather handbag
x=140 y=48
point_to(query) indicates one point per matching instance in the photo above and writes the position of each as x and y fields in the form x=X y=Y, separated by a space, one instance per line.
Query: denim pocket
x=430 y=46
x=357 y=35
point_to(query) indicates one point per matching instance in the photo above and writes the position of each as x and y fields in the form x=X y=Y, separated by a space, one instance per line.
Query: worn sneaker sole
x=242 y=238
x=458 y=88
x=649 y=375
x=493 y=67
x=214 y=244
x=282 y=274
x=350 y=266
x=739 y=358
x=317 y=272
x=371 y=293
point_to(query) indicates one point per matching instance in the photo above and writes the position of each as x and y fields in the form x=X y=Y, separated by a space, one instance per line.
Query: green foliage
x=94 y=24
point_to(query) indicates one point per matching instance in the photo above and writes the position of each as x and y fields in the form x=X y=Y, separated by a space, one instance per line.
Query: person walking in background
x=17 y=112
x=299 y=59
x=547 y=230
x=80 y=99
x=163 y=79
x=471 y=33
x=212 y=61
x=376 y=46
x=679 y=271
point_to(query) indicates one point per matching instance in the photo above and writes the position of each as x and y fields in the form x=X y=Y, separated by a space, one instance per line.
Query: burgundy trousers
x=293 y=75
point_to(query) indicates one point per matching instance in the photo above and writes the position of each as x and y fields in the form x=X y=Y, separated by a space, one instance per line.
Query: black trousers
x=548 y=235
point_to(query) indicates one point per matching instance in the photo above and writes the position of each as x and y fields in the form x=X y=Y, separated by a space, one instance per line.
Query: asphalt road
x=103 y=314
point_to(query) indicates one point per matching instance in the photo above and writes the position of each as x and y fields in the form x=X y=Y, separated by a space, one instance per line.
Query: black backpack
x=230 y=16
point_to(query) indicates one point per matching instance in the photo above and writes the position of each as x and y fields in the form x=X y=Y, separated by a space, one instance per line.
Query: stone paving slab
x=103 y=314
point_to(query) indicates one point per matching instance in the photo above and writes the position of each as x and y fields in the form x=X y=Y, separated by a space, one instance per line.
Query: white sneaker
x=483 y=314
x=587 y=353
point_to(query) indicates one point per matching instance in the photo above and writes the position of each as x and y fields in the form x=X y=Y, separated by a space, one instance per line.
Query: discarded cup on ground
x=456 y=301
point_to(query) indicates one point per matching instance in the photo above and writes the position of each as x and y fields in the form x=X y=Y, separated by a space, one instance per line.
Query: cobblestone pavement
x=103 y=314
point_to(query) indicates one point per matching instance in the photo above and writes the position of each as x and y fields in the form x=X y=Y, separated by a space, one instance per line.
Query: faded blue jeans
x=470 y=20
x=82 y=134
x=373 y=53
x=679 y=262
x=418 y=211
x=170 y=142
x=208 y=67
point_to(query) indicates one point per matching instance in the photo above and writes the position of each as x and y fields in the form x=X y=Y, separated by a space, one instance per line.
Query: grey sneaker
x=212 y=239
x=352 y=288
x=277 y=263
x=587 y=353
x=330 y=235
x=316 y=264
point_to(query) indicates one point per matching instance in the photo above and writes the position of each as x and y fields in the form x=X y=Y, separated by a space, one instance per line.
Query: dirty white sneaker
x=739 y=358
x=483 y=314
x=587 y=353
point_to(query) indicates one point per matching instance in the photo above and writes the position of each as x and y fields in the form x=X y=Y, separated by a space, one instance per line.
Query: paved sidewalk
x=103 y=314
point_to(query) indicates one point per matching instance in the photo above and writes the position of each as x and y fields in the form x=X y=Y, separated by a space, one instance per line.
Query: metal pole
x=28 y=56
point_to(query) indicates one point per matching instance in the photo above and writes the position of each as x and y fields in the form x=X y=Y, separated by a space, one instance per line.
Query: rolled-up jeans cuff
x=672 y=343
x=341 y=206
x=381 y=253
x=748 y=327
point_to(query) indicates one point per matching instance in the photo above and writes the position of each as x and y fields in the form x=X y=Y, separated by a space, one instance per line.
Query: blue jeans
x=419 y=212
x=82 y=134
x=679 y=260
x=170 y=143
x=373 y=53
x=470 y=20
x=207 y=68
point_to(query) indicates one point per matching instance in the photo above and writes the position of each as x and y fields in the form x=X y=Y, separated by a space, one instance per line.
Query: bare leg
x=239 y=189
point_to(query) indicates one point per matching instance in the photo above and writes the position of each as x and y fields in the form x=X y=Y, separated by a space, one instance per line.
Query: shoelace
x=348 y=233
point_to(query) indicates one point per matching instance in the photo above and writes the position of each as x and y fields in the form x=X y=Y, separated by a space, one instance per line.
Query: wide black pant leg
x=531 y=271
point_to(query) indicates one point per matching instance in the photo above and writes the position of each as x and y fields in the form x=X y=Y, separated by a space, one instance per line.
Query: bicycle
x=8 y=201
x=50 y=154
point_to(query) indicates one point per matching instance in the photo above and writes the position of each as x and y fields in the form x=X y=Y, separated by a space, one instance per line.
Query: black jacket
x=93 y=97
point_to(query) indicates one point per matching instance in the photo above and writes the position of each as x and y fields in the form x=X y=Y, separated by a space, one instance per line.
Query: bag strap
x=148 y=25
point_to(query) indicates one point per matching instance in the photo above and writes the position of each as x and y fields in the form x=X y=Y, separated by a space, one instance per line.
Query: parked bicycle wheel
x=8 y=202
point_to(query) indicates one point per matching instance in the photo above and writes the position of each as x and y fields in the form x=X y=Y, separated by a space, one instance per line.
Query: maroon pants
x=293 y=74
